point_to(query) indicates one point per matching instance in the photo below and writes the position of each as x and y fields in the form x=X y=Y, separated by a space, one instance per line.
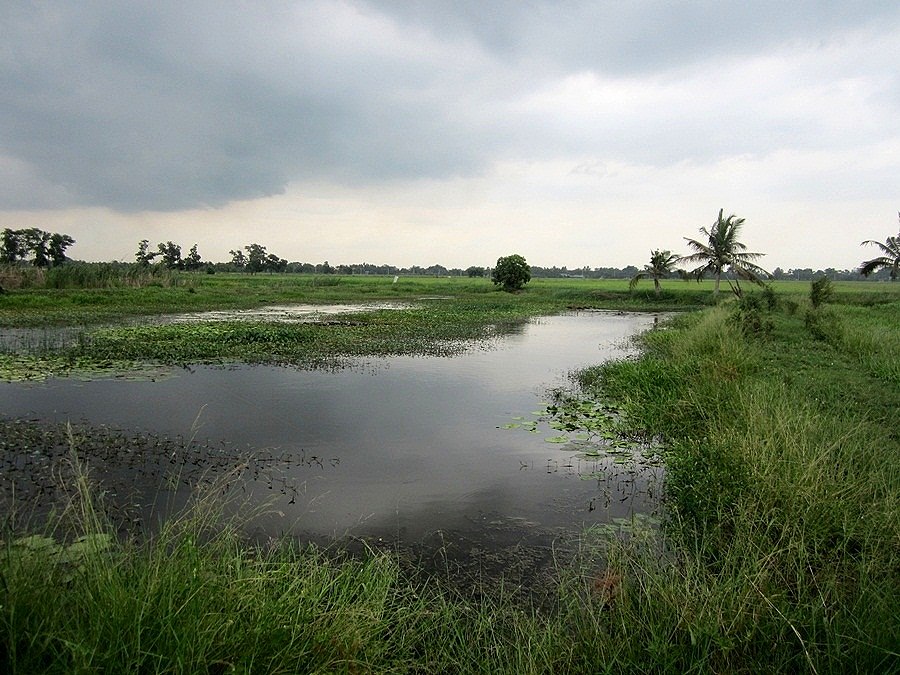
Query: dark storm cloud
x=169 y=105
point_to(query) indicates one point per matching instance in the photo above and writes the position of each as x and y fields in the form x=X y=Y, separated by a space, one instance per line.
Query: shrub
x=511 y=272
x=821 y=291
x=823 y=324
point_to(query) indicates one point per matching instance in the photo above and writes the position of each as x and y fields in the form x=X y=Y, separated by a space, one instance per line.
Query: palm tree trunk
x=656 y=285
x=716 y=289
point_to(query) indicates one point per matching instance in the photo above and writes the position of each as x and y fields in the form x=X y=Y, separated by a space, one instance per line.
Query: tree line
x=719 y=254
x=34 y=246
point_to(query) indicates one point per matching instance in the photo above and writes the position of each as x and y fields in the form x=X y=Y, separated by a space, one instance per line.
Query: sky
x=453 y=133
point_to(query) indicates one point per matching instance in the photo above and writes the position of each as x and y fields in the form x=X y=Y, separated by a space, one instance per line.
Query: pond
x=399 y=449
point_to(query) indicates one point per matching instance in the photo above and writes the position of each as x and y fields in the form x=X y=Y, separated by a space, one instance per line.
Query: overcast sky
x=431 y=131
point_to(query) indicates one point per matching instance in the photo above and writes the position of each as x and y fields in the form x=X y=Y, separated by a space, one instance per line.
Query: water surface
x=400 y=448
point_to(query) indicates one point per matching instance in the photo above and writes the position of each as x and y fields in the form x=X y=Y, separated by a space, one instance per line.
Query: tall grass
x=196 y=597
x=73 y=275
x=784 y=497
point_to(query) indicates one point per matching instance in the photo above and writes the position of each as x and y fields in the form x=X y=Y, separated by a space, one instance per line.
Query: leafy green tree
x=256 y=258
x=44 y=248
x=170 y=255
x=12 y=246
x=143 y=255
x=722 y=253
x=238 y=259
x=889 y=261
x=474 y=272
x=275 y=264
x=57 y=248
x=192 y=260
x=511 y=272
x=661 y=265
x=36 y=242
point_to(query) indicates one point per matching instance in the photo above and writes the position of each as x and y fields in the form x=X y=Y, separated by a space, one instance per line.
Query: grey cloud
x=141 y=109
x=169 y=105
x=636 y=36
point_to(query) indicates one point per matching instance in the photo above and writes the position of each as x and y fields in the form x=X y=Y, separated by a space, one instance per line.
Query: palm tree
x=723 y=253
x=890 y=260
x=660 y=266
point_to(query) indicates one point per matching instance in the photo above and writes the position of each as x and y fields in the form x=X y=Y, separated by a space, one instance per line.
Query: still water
x=397 y=448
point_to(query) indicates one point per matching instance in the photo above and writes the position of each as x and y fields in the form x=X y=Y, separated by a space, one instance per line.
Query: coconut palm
x=660 y=266
x=890 y=260
x=723 y=253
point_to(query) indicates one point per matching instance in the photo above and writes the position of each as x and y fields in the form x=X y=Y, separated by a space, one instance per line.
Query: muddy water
x=396 y=448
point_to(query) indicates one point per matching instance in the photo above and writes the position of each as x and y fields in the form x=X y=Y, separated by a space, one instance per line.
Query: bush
x=823 y=324
x=511 y=272
x=820 y=291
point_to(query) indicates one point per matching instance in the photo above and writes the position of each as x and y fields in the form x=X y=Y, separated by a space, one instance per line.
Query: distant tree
x=326 y=268
x=170 y=255
x=661 y=265
x=12 y=246
x=437 y=271
x=44 y=248
x=475 y=272
x=275 y=264
x=57 y=248
x=143 y=255
x=722 y=253
x=511 y=273
x=36 y=242
x=820 y=291
x=889 y=261
x=256 y=258
x=238 y=259
x=192 y=261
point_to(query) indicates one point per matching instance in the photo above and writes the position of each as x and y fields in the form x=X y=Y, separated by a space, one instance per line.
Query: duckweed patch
x=35 y=368
x=440 y=329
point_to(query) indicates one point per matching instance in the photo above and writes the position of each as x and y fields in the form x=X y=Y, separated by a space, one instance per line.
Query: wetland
x=454 y=486
x=402 y=450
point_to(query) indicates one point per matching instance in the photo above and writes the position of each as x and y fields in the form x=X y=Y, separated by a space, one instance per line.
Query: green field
x=101 y=300
x=780 y=551
x=447 y=314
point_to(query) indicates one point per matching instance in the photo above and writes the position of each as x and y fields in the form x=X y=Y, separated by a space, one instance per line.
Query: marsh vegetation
x=775 y=417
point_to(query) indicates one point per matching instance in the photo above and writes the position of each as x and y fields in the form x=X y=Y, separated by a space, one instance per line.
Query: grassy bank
x=783 y=483
x=198 y=599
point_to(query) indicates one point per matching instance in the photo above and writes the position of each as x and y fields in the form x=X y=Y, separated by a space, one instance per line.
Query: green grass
x=196 y=598
x=132 y=294
x=783 y=483
x=187 y=292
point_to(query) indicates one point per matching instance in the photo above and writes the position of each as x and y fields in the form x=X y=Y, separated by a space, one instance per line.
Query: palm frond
x=885 y=247
x=890 y=260
x=875 y=264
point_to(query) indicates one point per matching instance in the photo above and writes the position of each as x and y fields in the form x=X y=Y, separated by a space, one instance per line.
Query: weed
x=821 y=291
